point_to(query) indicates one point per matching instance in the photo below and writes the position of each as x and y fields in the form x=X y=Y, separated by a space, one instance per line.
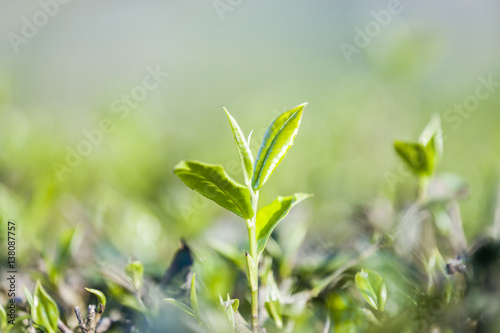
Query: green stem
x=423 y=188
x=254 y=273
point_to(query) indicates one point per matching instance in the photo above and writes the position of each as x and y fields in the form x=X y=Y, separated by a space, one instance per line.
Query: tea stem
x=254 y=273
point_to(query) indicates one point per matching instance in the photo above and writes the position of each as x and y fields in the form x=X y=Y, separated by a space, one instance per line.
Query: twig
x=81 y=322
x=93 y=318
x=63 y=327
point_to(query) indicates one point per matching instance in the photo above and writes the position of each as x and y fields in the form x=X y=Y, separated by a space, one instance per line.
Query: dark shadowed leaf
x=178 y=271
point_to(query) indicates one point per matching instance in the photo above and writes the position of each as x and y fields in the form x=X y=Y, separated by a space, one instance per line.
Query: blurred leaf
x=45 y=311
x=178 y=271
x=346 y=314
x=436 y=269
x=246 y=157
x=52 y=272
x=252 y=272
x=135 y=271
x=448 y=186
x=432 y=137
x=442 y=220
x=423 y=156
x=123 y=296
x=277 y=140
x=230 y=307
x=235 y=303
x=273 y=308
x=269 y=216
x=372 y=288
x=371 y=317
x=228 y=251
x=192 y=296
x=65 y=243
x=3 y=318
x=28 y=296
x=214 y=183
x=64 y=247
x=417 y=157
x=101 y=298
x=273 y=303
x=181 y=306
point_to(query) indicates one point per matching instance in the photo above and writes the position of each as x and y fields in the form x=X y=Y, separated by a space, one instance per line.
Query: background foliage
x=122 y=203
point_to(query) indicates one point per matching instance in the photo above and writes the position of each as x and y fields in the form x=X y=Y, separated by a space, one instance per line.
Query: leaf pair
x=372 y=288
x=422 y=156
x=44 y=310
x=214 y=183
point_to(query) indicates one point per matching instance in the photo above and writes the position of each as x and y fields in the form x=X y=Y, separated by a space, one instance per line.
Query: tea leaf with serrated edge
x=213 y=182
x=246 y=157
x=269 y=216
x=277 y=141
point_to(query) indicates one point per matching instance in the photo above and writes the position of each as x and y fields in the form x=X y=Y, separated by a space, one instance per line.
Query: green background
x=260 y=59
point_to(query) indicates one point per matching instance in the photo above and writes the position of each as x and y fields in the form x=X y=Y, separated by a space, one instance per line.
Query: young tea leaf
x=277 y=140
x=101 y=298
x=180 y=306
x=372 y=288
x=416 y=156
x=214 y=183
x=135 y=271
x=192 y=296
x=432 y=137
x=246 y=157
x=230 y=307
x=45 y=311
x=269 y=216
x=235 y=303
